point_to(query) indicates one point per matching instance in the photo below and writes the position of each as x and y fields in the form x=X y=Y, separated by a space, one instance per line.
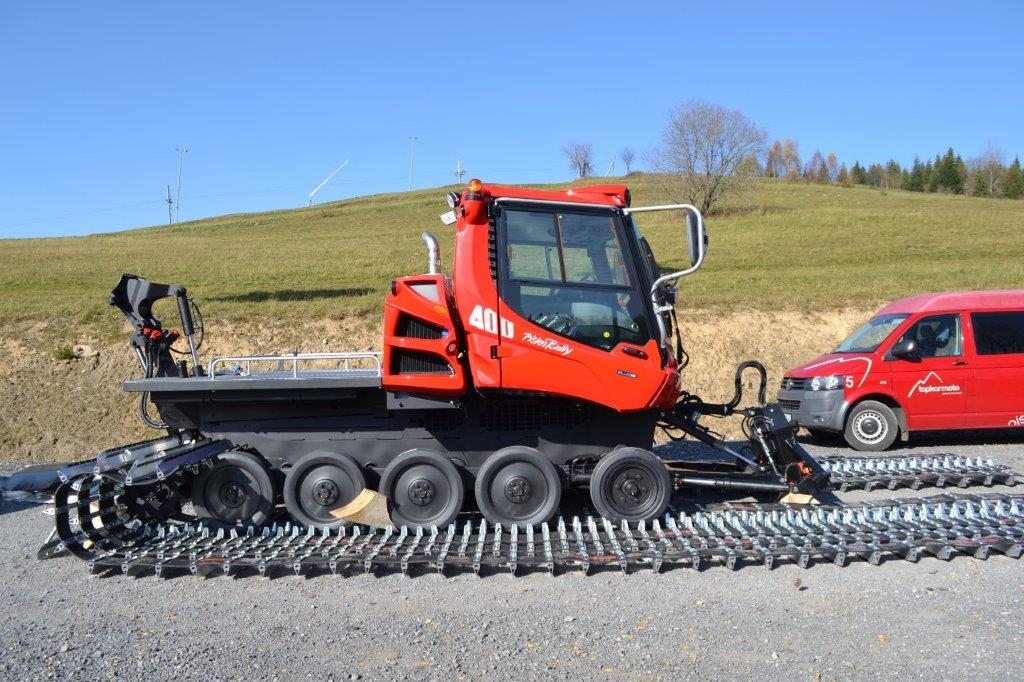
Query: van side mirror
x=906 y=350
x=696 y=237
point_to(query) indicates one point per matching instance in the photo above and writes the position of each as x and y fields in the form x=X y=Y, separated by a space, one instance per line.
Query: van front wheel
x=871 y=427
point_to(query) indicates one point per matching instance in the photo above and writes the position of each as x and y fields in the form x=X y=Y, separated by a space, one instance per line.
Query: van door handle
x=959 y=363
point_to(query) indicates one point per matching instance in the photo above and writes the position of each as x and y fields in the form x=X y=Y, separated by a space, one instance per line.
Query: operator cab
x=573 y=272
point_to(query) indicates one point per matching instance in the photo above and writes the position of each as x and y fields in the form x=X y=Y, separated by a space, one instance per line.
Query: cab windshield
x=572 y=273
x=871 y=334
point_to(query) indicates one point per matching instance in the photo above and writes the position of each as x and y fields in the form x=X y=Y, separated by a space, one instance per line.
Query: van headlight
x=829 y=383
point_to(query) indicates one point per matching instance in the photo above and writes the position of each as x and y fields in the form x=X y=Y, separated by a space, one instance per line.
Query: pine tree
x=857 y=174
x=843 y=178
x=916 y=182
x=932 y=173
x=1013 y=185
x=979 y=184
x=960 y=175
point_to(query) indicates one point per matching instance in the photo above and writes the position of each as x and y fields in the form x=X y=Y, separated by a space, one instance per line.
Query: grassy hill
x=781 y=245
x=792 y=269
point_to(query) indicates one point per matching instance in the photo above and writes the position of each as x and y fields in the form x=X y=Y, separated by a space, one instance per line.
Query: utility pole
x=459 y=173
x=182 y=151
x=412 y=151
x=169 y=203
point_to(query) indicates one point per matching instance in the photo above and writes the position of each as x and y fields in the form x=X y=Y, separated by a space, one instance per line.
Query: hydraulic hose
x=144 y=399
x=762 y=390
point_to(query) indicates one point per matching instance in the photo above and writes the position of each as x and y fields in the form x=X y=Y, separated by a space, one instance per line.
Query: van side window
x=937 y=336
x=998 y=333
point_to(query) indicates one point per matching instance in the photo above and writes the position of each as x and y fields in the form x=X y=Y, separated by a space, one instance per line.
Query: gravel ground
x=931 y=619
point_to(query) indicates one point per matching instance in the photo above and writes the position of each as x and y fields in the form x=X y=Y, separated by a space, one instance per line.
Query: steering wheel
x=560 y=323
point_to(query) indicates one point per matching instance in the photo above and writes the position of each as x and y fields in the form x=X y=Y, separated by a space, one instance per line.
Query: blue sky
x=270 y=97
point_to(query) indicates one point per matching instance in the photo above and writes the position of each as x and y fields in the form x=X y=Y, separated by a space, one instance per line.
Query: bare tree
x=709 y=148
x=774 y=164
x=581 y=158
x=991 y=164
x=815 y=168
x=832 y=163
x=627 y=155
x=791 y=159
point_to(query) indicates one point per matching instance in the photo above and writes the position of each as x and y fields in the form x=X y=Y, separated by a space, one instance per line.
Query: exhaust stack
x=433 y=253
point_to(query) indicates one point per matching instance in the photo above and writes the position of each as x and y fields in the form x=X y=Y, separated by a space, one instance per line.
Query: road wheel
x=630 y=484
x=423 y=488
x=318 y=483
x=518 y=485
x=871 y=426
x=235 y=492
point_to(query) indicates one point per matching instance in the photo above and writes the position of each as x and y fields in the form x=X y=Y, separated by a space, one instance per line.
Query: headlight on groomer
x=829 y=383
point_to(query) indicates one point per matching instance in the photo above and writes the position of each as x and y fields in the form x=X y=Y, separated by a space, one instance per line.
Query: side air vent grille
x=439 y=420
x=416 y=328
x=533 y=416
x=416 y=362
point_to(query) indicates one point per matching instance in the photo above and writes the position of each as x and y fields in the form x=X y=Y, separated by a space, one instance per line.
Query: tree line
x=710 y=150
x=986 y=175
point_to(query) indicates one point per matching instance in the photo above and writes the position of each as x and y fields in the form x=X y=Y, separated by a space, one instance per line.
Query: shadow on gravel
x=12 y=506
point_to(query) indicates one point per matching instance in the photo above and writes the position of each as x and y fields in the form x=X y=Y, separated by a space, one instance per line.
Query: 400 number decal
x=487 y=320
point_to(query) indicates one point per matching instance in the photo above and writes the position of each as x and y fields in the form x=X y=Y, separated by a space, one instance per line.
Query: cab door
x=997 y=341
x=934 y=386
x=572 y=315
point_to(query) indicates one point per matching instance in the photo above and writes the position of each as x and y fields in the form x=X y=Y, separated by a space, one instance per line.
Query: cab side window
x=937 y=336
x=998 y=333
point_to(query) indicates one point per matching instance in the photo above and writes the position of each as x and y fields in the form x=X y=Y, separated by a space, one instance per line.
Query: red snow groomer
x=545 y=361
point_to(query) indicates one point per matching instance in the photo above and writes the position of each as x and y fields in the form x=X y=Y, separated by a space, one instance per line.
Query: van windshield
x=871 y=334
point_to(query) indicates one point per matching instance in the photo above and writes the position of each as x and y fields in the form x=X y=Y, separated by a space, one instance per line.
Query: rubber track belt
x=732 y=535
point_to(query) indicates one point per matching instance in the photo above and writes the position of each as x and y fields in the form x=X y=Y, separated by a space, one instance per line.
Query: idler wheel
x=630 y=484
x=518 y=485
x=236 y=491
x=318 y=483
x=423 y=488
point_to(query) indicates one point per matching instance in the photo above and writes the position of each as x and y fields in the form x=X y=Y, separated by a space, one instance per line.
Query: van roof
x=957 y=300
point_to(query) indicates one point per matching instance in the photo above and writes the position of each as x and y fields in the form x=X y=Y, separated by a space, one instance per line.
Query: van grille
x=793 y=384
x=793 y=405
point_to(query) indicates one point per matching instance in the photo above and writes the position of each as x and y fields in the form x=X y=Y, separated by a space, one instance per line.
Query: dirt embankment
x=71 y=409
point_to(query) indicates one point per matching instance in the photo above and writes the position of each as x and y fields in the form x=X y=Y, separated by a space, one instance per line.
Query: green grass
x=64 y=353
x=780 y=245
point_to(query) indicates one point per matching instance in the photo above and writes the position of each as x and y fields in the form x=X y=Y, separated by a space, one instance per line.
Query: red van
x=931 y=362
